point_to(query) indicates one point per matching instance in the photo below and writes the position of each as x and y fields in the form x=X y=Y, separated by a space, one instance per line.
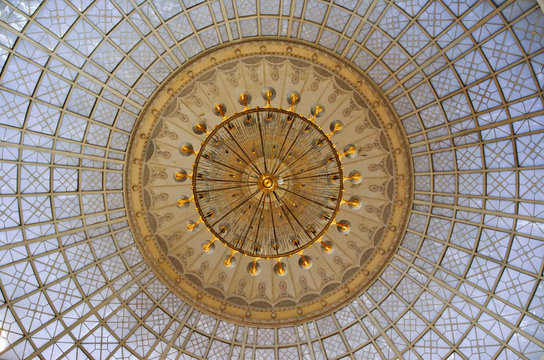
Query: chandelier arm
x=181 y=175
x=355 y=177
x=354 y=203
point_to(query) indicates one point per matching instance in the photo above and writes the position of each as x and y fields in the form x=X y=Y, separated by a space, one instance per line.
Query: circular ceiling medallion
x=242 y=165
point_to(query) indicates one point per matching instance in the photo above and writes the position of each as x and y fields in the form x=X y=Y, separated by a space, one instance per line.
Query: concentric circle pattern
x=267 y=182
x=322 y=266
x=465 y=78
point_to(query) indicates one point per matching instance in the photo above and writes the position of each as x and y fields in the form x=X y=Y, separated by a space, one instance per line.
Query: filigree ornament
x=268 y=182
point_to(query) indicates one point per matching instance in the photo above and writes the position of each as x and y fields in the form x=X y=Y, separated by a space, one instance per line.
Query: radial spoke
x=250 y=224
x=262 y=143
x=233 y=181
x=227 y=166
x=302 y=172
x=293 y=215
x=307 y=198
x=276 y=162
x=287 y=152
x=273 y=222
x=296 y=160
x=251 y=166
x=242 y=202
x=309 y=177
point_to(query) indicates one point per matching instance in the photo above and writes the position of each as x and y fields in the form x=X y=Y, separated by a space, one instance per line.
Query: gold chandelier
x=268 y=182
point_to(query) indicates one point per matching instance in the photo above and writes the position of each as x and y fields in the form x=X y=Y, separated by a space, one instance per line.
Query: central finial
x=267 y=183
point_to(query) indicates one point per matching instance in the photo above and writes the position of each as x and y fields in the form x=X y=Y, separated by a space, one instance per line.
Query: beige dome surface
x=376 y=224
x=465 y=81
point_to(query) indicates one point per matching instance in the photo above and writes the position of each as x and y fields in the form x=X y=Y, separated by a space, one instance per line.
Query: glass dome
x=466 y=80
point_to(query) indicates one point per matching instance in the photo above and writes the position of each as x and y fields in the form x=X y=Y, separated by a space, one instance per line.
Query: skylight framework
x=466 y=81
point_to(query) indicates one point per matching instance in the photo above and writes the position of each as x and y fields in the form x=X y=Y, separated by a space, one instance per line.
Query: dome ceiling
x=464 y=78
x=374 y=226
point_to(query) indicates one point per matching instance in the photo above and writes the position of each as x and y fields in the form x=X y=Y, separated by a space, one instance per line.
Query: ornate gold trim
x=398 y=220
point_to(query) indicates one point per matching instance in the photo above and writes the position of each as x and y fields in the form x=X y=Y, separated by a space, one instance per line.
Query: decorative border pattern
x=353 y=286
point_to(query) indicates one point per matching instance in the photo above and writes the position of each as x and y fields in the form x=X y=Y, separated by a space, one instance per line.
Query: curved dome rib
x=465 y=79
